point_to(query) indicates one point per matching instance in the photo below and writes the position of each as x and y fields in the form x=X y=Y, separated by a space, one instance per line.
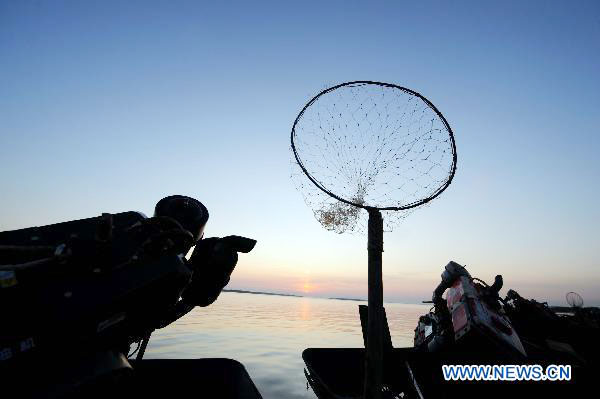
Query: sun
x=307 y=287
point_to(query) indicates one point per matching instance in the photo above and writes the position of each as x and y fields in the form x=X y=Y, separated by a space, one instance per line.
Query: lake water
x=268 y=333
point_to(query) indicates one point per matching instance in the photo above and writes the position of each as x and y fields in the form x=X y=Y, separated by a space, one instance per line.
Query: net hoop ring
x=393 y=86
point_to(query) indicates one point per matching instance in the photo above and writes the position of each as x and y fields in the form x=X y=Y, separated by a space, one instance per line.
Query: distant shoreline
x=349 y=299
x=293 y=295
x=307 y=296
x=262 y=293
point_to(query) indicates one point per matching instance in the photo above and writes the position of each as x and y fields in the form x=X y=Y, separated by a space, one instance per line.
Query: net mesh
x=372 y=145
x=574 y=299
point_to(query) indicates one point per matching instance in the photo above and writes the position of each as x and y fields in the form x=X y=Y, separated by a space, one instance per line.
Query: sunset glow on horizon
x=307 y=288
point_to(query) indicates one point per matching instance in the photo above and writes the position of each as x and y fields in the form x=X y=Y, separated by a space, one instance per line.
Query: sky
x=108 y=106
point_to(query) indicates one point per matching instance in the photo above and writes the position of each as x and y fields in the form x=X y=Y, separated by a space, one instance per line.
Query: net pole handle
x=374 y=349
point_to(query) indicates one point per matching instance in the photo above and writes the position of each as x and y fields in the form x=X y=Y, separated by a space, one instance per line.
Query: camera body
x=76 y=295
x=101 y=296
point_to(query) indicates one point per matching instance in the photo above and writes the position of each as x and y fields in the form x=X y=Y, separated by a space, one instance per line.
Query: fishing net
x=574 y=299
x=370 y=145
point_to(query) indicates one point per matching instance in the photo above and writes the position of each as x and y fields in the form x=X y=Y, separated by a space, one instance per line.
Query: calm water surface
x=268 y=333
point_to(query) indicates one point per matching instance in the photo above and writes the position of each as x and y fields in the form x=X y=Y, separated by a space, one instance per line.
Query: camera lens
x=189 y=212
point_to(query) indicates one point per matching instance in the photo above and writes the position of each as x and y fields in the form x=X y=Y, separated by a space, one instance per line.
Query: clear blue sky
x=110 y=105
